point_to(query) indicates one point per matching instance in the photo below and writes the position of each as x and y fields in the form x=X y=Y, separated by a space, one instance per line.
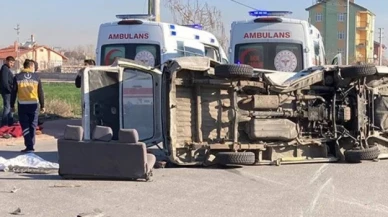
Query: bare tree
x=192 y=11
x=79 y=53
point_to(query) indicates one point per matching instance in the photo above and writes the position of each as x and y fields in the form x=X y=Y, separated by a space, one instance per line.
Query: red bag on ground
x=15 y=130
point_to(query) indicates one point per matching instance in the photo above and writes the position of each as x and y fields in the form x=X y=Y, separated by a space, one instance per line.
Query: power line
x=244 y=5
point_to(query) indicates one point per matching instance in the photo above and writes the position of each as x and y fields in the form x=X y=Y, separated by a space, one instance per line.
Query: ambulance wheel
x=358 y=71
x=234 y=71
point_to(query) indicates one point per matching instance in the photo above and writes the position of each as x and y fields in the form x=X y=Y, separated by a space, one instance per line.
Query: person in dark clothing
x=6 y=80
x=87 y=63
x=27 y=88
x=36 y=65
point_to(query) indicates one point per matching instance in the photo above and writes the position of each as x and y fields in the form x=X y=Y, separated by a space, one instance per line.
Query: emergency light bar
x=268 y=13
x=135 y=16
x=195 y=26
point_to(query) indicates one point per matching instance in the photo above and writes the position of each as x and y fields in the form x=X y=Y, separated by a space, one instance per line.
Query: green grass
x=61 y=100
x=65 y=92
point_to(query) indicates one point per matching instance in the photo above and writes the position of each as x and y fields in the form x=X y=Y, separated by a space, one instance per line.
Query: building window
x=341 y=35
x=318 y=17
x=341 y=51
x=341 y=17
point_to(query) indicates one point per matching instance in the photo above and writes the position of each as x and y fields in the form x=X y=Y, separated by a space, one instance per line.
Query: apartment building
x=329 y=16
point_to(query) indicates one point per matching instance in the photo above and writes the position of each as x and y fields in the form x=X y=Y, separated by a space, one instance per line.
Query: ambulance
x=139 y=38
x=272 y=41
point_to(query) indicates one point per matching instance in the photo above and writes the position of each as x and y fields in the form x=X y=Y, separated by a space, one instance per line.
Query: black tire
x=357 y=155
x=238 y=158
x=233 y=71
x=358 y=71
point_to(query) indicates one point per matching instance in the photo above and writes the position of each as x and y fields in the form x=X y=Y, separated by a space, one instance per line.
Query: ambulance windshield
x=286 y=57
x=149 y=54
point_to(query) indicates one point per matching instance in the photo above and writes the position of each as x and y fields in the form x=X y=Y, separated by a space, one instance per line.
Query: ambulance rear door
x=131 y=39
x=270 y=43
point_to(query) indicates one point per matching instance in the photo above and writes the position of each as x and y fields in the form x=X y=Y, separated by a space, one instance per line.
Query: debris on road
x=65 y=186
x=14 y=190
x=96 y=213
x=18 y=211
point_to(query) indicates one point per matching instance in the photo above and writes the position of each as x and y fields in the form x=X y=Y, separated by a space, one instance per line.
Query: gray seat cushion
x=102 y=133
x=73 y=132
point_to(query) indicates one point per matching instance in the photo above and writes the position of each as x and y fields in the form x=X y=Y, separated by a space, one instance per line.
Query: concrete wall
x=57 y=76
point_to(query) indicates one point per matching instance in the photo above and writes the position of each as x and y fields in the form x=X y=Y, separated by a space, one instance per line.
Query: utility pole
x=381 y=33
x=347 y=33
x=17 y=28
x=154 y=9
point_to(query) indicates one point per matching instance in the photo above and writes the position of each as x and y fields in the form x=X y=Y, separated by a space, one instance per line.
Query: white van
x=271 y=41
x=153 y=43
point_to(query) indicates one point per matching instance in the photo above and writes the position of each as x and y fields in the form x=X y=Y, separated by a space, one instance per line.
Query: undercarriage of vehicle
x=233 y=115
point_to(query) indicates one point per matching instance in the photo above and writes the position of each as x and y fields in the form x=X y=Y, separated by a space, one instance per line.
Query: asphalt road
x=346 y=190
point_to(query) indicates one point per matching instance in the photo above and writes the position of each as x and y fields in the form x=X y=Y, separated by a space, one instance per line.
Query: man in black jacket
x=87 y=63
x=6 y=82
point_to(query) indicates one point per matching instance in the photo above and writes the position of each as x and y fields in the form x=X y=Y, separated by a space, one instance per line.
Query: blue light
x=172 y=26
x=197 y=37
x=212 y=40
x=260 y=13
x=195 y=26
x=173 y=33
x=238 y=62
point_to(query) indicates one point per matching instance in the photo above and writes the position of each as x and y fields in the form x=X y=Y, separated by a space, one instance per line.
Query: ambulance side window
x=316 y=48
x=138 y=102
x=212 y=52
x=317 y=51
x=323 y=55
x=180 y=46
x=184 y=50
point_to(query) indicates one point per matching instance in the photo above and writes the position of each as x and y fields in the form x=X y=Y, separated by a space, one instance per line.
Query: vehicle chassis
x=297 y=151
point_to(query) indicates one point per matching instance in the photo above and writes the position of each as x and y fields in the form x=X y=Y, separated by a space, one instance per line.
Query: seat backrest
x=128 y=136
x=102 y=133
x=74 y=133
x=131 y=137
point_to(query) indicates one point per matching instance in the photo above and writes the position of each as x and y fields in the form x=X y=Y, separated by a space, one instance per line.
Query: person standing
x=87 y=63
x=27 y=88
x=6 y=80
x=36 y=65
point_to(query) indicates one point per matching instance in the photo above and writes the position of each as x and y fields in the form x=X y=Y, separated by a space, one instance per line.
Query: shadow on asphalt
x=24 y=176
x=55 y=128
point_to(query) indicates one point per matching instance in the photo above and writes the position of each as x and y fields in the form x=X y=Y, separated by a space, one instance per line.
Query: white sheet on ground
x=27 y=160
